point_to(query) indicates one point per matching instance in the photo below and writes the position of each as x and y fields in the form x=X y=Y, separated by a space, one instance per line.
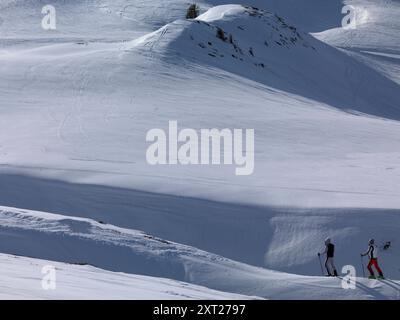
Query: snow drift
x=82 y=241
x=24 y=276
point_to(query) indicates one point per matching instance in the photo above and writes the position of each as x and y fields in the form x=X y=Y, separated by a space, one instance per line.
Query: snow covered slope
x=83 y=241
x=76 y=104
x=101 y=20
x=285 y=239
x=375 y=40
x=86 y=110
x=280 y=56
x=309 y=15
x=21 y=278
x=377 y=25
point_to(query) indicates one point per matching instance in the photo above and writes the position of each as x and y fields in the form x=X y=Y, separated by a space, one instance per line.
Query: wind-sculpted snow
x=24 y=275
x=76 y=104
x=83 y=241
x=280 y=238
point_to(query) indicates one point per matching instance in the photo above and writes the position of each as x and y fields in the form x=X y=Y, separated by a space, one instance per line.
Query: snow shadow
x=284 y=239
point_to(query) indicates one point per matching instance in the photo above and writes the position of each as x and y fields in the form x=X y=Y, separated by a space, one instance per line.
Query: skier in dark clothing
x=373 y=259
x=329 y=262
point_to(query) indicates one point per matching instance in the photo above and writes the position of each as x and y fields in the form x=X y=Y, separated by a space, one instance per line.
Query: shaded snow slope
x=85 y=110
x=309 y=15
x=21 y=278
x=375 y=40
x=262 y=46
x=75 y=106
x=285 y=239
x=377 y=25
x=115 y=20
x=72 y=239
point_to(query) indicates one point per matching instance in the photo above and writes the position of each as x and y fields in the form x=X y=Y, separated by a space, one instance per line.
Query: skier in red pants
x=373 y=259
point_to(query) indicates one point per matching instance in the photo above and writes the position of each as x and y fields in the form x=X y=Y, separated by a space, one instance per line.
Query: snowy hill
x=24 y=276
x=377 y=22
x=281 y=57
x=375 y=41
x=101 y=20
x=285 y=239
x=76 y=104
x=82 y=241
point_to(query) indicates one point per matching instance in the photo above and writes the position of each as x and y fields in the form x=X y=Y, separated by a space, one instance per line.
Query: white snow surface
x=22 y=279
x=83 y=241
x=76 y=104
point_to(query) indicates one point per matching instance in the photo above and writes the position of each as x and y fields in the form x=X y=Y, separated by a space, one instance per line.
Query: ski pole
x=320 y=264
x=362 y=264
